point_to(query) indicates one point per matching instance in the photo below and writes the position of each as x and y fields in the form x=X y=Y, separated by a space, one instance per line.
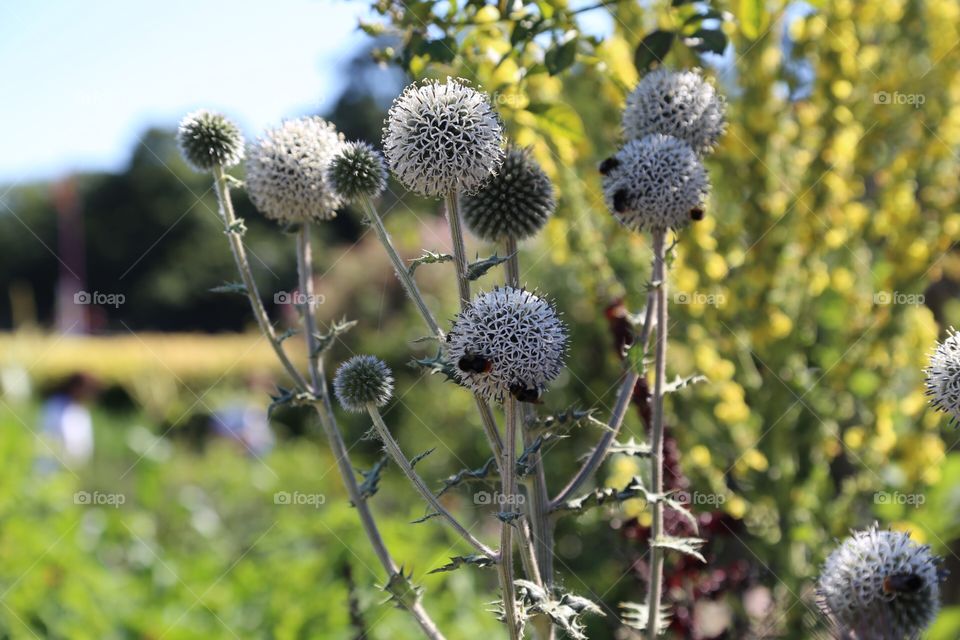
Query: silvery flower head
x=207 y=139
x=357 y=170
x=516 y=202
x=507 y=341
x=442 y=137
x=676 y=103
x=943 y=376
x=287 y=171
x=362 y=381
x=880 y=585
x=657 y=182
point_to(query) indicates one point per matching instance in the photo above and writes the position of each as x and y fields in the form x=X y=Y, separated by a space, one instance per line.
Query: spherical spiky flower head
x=208 y=139
x=441 y=137
x=943 y=376
x=287 y=171
x=516 y=202
x=655 y=183
x=362 y=381
x=507 y=341
x=356 y=171
x=680 y=104
x=881 y=585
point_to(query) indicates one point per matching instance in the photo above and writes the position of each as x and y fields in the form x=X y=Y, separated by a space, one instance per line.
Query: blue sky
x=83 y=79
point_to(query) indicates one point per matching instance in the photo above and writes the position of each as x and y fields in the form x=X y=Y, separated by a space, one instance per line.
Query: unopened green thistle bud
x=362 y=381
x=207 y=139
x=880 y=585
x=358 y=170
x=516 y=202
x=943 y=376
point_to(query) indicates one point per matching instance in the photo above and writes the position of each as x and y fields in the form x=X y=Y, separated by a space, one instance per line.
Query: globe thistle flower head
x=943 y=376
x=442 y=137
x=362 y=381
x=881 y=585
x=516 y=202
x=507 y=341
x=357 y=170
x=207 y=139
x=680 y=104
x=655 y=183
x=287 y=171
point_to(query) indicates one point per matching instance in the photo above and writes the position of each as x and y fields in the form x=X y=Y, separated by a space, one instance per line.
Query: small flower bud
x=362 y=381
x=208 y=139
x=516 y=202
x=356 y=171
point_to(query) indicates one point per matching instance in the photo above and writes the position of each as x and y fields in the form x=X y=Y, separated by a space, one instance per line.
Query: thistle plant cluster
x=505 y=346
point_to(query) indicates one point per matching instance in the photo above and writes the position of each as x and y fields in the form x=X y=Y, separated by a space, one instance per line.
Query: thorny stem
x=599 y=453
x=246 y=274
x=403 y=274
x=396 y=454
x=509 y=492
x=540 y=533
x=660 y=374
x=327 y=420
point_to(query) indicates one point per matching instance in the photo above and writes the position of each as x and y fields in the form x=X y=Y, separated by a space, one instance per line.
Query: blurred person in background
x=66 y=423
x=246 y=422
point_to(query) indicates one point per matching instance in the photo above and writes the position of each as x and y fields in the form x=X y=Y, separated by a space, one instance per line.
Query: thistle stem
x=403 y=274
x=540 y=533
x=509 y=493
x=337 y=446
x=396 y=454
x=660 y=374
x=600 y=452
x=246 y=274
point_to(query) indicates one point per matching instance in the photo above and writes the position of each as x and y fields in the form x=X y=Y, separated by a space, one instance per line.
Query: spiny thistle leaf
x=428 y=257
x=679 y=383
x=564 y=611
x=508 y=516
x=437 y=364
x=289 y=333
x=231 y=287
x=636 y=616
x=371 y=479
x=688 y=546
x=597 y=497
x=476 y=270
x=458 y=561
x=630 y=448
x=238 y=227
x=567 y=420
x=289 y=397
x=525 y=462
x=432 y=514
x=326 y=340
x=417 y=458
x=403 y=593
x=467 y=475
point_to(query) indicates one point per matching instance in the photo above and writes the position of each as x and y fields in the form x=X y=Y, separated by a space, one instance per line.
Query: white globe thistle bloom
x=207 y=139
x=680 y=104
x=507 y=341
x=943 y=376
x=362 y=381
x=881 y=585
x=657 y=182
x=441 y=137
x=287 y=171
